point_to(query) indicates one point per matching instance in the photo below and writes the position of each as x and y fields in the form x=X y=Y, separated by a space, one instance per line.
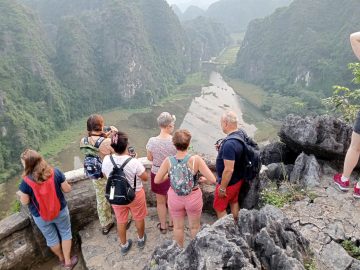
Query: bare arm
x=162 y=172
x=24 y=198
x=144 y=176
x=149 y=155
x=226 y=175
x=65 y=186
x=355 y=43
x=205 y=171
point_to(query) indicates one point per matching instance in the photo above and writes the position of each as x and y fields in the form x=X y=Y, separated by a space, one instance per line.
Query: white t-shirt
x=134 y=167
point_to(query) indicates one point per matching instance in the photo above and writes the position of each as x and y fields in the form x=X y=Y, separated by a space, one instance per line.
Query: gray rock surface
x=327 y=219
x=260 y=240
x=103 y=252
x=306 y=171
x=279 y=171
x=324 y=136
x=277 y=152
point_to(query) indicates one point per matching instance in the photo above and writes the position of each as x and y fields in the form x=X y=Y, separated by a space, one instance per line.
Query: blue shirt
x=230 y=150
x=59 y=178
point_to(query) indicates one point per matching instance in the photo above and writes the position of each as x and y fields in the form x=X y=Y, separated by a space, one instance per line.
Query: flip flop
x=107 y=229
x=170 y=227
x=163 y=231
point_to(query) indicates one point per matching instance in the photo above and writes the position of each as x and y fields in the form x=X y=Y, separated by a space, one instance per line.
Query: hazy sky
x=183 y=4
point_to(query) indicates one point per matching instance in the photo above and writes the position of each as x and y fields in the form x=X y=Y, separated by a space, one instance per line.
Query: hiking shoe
x=343 y=186
x=125 y=250
x=356 y=192
x=141 y=243
x=73 y=261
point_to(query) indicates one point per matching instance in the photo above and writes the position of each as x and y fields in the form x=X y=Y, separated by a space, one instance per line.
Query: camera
x=131 y=150
x=218 y=144
x=107 y=129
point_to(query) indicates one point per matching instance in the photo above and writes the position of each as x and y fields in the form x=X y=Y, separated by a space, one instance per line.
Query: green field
x=252 y=93
x=228 y=56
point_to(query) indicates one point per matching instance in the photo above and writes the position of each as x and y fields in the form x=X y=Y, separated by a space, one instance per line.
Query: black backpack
x=92 y=161
x=118 y=190
x=252 y=164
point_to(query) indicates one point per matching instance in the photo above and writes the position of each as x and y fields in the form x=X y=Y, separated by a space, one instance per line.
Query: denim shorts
x=57 y=230
x=356 y=127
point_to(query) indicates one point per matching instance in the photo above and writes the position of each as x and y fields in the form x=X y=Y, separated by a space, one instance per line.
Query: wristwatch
x=222 y=190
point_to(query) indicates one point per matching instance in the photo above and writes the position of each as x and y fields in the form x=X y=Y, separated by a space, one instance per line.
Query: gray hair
x=165 y=119
x=230 y=117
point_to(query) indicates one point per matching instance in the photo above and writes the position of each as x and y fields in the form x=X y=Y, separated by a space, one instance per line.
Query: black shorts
x=356 y=127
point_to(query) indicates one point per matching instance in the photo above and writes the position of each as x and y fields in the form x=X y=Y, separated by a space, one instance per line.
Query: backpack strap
x=186 y=158
x=86 y=140
x=98 y=142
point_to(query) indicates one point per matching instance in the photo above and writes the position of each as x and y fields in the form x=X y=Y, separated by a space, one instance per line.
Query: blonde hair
x=35 y=165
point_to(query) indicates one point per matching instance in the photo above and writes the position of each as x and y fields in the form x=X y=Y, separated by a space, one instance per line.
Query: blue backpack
x=182 y=180
x=92 y=161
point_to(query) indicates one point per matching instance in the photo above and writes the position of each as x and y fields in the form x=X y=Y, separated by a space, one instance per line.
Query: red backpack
x=45 y=194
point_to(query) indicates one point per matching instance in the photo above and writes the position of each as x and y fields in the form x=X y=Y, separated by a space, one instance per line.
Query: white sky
x=183 y=4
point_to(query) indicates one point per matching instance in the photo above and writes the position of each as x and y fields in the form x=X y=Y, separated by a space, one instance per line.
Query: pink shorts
x=191 y=204
x=137 y=208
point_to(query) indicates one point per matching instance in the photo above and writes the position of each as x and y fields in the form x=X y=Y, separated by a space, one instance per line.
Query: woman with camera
x=99 y=136
x=158 y=148
x=134 y=171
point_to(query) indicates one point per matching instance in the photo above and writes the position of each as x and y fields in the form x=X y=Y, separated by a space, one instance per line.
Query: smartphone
x=107 y=129
x=131 y=150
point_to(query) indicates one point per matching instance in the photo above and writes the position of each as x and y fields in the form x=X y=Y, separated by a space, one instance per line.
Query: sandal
x=163 y=231
x=73 y=262
x=107 y=229
x=170 y=227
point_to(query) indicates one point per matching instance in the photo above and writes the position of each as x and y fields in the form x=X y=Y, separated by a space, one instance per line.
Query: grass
x=228 y=56
x=310 y=264
x=252 y=93
x=351 y=248
x=271 y=195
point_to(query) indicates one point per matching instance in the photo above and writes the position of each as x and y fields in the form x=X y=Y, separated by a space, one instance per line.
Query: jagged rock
x=324 y=136
x=306 y=171
x=249 y=195
x=279 y=171
x=262 y=239
x=342 y=260
x=277 y=152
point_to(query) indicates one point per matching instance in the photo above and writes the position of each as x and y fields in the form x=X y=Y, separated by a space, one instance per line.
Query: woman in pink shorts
x=184 y=195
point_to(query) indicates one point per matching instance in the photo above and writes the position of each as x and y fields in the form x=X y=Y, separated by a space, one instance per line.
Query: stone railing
x=22 y=244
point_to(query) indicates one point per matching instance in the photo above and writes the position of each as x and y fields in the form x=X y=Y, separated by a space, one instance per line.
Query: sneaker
x=343 y=186
x=125 y=250
x=356 y=192
x=141 y=243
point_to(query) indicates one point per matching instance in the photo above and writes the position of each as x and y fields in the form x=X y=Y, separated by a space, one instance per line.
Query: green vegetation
x=345 y=102
x=252 y=93
x=228 y=56
x=310 y=263
x=351 y=248
x=273 y=196
x=297 y=54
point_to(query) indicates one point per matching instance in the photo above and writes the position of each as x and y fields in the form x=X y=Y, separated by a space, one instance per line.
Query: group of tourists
x=176 y=175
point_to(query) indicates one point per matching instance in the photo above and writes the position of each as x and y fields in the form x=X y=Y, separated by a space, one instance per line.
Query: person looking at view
x=42 y=190
x=184 y=195
x=342 y=180
x=158 y=148
x=95 y=129
x=133 y=170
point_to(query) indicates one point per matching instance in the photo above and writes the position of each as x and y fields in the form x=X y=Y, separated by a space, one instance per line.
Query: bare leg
x=352 y=155
x=66 y=247
x=161 y=209
x=221 y=214
x=58 y=251
x=179 y=230
x=194 y=223
x=140 y=227
x=121 y=228
x=235 y=208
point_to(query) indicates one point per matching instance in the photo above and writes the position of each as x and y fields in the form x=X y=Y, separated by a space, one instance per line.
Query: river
x=200 y=114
